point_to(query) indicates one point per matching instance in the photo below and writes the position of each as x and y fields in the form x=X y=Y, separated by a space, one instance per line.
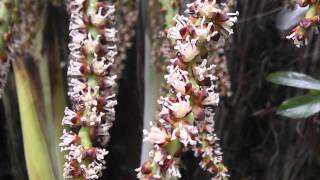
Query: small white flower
x=67 y=138
x=188 y=50
x=99 y=66
x=75 y=153
x=181 y=23
x=181 y=108
x=100 y=154
x=67 y=170
x=93 y=170
x=156 y=135
x=110 y=34
x=212 y=99
x=177 y=78
x=91 y=44
x=68 y=116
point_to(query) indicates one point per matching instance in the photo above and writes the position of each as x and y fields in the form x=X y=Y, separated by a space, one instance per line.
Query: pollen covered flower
x=185 y=121
x=91 y=84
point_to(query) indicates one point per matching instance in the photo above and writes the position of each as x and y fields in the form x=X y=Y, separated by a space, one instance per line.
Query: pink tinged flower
x=68 y=170
x=91 y=44
x=100 y=67
x=227 y=25
x=74 y=68
x=100 y=154
x=156 y=135
x=76 y=89
x=98 y=19
x=299 y=36
x=180 y=108
x=205 y=32
x=103 y=129
x=69 y=115
x=177 y=78
x=200 y=71
x=75 y=153
x=178 y=32
x=185 y=134
x=110 y=34
x=109 y=81
x=68 y=138
x=90 y=97
x=212 y=98
x=187 y=51
x=92 y=171
x=207 y=8
x=93 y=118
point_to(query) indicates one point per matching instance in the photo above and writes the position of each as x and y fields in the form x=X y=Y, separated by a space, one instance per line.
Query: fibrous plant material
x=186 y=118
x=91 y=88
x=309 y=25
x=7 y=14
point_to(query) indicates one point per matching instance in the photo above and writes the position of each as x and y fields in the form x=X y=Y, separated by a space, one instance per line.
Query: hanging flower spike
x=126 y=21
x=185 y=121
x=308 y=25
x=91 y=83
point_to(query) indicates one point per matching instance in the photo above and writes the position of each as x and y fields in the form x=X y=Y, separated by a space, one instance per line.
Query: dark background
x=257 y=144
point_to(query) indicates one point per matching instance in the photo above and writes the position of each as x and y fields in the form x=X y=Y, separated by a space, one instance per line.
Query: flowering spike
x=185 y=121
x=91 y=83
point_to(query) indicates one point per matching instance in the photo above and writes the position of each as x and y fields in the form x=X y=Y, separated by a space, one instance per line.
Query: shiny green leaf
x=294 y=79
x=300 y=107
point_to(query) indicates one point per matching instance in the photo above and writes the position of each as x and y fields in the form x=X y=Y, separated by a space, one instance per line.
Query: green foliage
x=300 y=106
x=294 y=79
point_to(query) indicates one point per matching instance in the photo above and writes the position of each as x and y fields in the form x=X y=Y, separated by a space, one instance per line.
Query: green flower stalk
x=185 y=121
x=91 y=83
x=7 y=11
x=308 y=25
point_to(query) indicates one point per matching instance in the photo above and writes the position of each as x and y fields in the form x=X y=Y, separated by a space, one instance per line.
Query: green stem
x=36 y=150
x=84 y=135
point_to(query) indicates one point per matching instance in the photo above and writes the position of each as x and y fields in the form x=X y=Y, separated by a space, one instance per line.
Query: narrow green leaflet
x=300 y=107
x=294 y=79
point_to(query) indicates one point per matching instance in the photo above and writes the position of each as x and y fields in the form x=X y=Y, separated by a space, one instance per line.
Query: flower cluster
x=92 y=51
x=308 y=25
x=6 y=19
x=159 y=18
x=218 y=58
x=185 y=121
